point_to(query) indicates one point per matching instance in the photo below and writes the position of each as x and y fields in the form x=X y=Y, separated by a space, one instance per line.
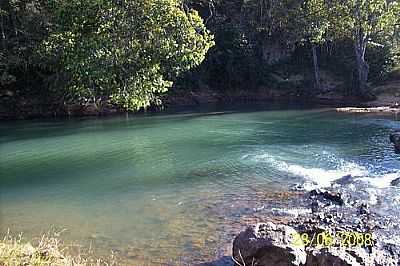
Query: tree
x=364 y=22
x=268 y=24
x=126 y=51
x=22 y=27
x=314 y=23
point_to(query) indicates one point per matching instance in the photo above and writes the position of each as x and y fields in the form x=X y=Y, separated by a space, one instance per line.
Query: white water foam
x=381 y=181
x=316 y=177
x=293 y=212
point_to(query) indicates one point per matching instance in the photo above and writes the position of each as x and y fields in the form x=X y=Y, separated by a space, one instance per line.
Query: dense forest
x=59 y=55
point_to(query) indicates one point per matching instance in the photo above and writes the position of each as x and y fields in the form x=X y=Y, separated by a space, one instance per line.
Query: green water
x=174 y=188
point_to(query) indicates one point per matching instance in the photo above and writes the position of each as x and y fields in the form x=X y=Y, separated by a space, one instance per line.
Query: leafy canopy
x=313 y=20
x=126 y=51
x=365 y=19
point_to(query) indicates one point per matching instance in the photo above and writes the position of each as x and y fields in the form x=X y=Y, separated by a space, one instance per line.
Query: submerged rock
x=395 y=139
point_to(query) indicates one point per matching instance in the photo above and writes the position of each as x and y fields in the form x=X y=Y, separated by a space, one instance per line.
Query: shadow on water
x=59 y=127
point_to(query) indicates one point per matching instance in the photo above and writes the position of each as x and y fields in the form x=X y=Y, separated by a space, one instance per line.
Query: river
x=173 y=188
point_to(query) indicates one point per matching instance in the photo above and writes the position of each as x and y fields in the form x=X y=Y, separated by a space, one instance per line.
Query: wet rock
x=329 y=219
x=395 y=182
x=321 y=194
x=271 y=244
x=297 y=187
x=268 y=244
x=349 y=257
x=393 y=250
x=332 y=256
x=363 y=209
x=337 y=209
x=315 y=206
x=345 y=180
x=395 y=139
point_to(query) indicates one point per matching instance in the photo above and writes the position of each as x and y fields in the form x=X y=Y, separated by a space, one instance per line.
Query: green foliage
x=364 y=22
x=22 y=27
x=270 y=16
x=243 y=31
x=129 y=51
x=382 y=59
x=312 y=21
x=231 y=64
x=368 y=18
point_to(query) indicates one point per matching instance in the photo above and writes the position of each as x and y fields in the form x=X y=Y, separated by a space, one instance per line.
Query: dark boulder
x=340 y=256
x=363 y=209
x=268 y=244
x=395 y=139
x=395 y=182
x=326 y=195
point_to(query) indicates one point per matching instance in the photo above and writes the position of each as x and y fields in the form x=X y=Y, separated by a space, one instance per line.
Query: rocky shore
x=28 y=108
x=13 y=107
x=339 y=228
x=16 y=108
x=337 y=231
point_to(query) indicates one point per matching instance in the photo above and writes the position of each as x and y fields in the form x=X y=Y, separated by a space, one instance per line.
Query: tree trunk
x=3 y=34
x=316 y=68
x=362 y=67
x=360 y=46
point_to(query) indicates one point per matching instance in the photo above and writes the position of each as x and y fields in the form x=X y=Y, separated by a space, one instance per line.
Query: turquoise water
x=173 y=188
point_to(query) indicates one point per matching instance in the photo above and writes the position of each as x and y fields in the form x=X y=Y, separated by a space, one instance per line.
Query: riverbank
x=387 y=94
x=38 y=108
x=45 y=250
x=33 y=109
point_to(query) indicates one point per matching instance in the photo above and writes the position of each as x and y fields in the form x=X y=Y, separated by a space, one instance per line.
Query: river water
x=172 y=189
